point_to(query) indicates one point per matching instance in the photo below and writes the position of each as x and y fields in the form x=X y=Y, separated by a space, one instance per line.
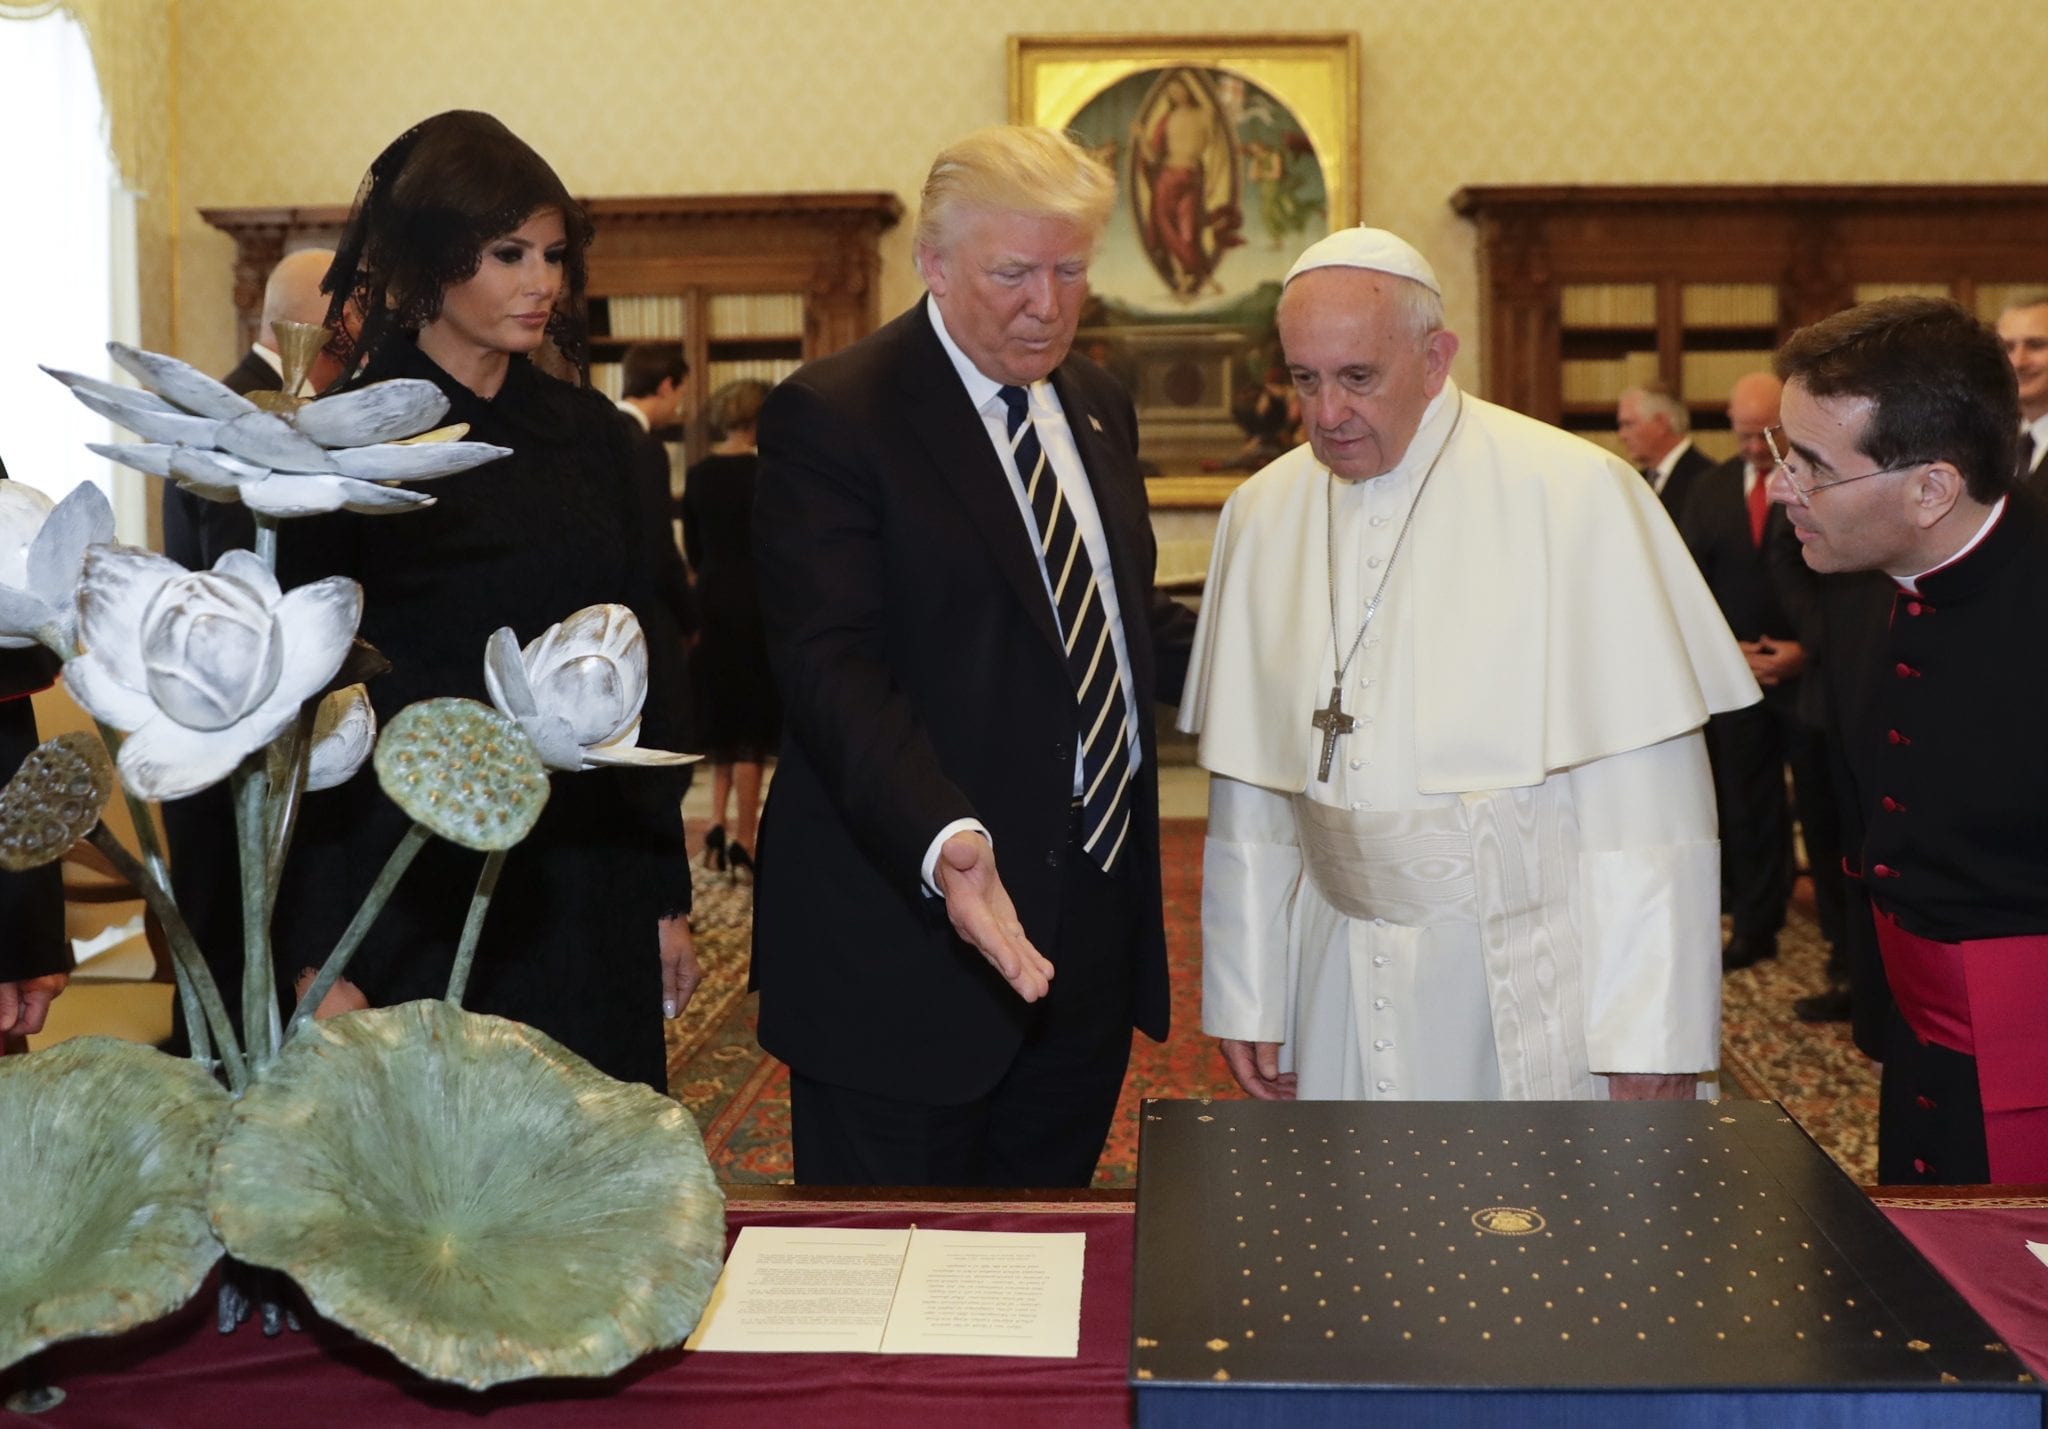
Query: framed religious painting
x=1232 y=153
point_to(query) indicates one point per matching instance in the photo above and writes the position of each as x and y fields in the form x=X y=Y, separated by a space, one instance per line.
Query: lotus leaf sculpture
x=104 y=1180
x=471 y=1195
x=459 y=1188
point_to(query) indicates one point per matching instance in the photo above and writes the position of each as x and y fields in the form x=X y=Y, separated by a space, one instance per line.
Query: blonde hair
x=736 y=404
x=1014 y=168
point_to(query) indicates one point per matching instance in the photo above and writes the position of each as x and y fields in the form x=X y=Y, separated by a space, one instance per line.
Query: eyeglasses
x=1782 y=462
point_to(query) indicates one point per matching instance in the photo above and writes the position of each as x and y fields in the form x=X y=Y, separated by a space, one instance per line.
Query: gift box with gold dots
x=1497 y=1263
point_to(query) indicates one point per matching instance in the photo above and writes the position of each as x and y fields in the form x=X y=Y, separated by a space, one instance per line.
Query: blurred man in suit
x=1730 y=526
x=956 y=574
x=2023 y=332
x=197 y=531
x=1654 y=428
x=654 y=397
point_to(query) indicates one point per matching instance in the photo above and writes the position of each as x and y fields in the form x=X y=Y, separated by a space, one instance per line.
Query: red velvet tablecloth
x=1979 y=1245
x=181 y=1373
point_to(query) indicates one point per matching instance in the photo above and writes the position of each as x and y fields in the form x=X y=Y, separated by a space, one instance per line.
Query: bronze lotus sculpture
x=457 y=1188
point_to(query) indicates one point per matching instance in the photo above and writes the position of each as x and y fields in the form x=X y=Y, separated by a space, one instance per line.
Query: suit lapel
x=964 y=463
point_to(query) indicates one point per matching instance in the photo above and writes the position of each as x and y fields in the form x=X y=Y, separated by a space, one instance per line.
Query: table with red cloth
x=180 y=1372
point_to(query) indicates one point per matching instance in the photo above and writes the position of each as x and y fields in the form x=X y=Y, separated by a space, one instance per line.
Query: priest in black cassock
x=1896 y=454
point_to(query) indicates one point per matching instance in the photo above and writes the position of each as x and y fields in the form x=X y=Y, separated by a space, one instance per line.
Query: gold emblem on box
x=1508 y=1220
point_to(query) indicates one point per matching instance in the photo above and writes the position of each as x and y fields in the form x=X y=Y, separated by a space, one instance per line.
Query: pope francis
x=1449 y=681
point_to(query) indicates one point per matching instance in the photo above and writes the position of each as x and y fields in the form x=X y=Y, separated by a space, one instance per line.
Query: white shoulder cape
x=1558 y=618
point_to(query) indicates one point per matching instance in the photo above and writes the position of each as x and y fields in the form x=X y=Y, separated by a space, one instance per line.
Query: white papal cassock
x=1509 y=884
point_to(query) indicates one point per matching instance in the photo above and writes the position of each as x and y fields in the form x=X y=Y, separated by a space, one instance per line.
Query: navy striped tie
x=1104 y=722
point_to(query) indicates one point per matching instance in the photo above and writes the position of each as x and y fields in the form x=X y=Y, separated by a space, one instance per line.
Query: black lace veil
x=426 y=208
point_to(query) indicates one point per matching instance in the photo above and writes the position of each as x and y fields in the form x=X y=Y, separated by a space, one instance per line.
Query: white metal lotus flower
x=201 y=669
x=42 y=548
x=344 y=733
x=328 y=455
x=577 y=690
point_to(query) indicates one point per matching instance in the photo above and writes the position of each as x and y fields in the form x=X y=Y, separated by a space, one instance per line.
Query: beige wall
x=279 y=103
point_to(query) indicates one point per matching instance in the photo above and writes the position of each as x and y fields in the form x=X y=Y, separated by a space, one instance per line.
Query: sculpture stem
x=266 y=540
x=259 y=977
x=287 y=760
x=380 y=893
x=473 y=925
x=160 y=869
x=196 y=986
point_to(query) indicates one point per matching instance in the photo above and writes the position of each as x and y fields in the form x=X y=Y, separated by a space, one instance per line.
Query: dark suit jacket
x=197 y=531
x=1685 y=474
x=923 y=681
x=672 y=581
x=1744 y=577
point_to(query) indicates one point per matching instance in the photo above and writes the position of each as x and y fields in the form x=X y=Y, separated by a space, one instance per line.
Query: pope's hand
x=983 y=915
x=1256 y=1065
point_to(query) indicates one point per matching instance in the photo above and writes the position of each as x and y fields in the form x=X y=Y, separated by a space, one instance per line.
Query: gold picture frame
x=1233 y=152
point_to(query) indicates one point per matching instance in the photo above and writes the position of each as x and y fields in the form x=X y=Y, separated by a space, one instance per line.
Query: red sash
x=1988 y=999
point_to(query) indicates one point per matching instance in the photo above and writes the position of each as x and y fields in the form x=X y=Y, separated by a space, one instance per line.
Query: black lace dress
x=739 y=718
x=570 y=944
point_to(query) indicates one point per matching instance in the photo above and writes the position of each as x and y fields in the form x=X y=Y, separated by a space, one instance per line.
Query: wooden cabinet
x=748 y=283
x=1587 y=290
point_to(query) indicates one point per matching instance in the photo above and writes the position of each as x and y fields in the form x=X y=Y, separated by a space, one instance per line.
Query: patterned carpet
x=740 y=1096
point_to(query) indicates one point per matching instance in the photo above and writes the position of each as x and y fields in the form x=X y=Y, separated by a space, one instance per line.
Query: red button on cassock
x=1892 y=736
x=1888 y=804
x=1922 y=1167
x=1884 y=870
x=1905 y=671
x=1913 y=607
x=1925 y=1103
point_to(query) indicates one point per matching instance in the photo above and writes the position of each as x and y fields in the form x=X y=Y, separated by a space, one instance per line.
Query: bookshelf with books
x=748 y=284
x=1588 y=290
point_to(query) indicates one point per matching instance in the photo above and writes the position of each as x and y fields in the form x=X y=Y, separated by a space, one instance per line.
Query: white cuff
x=931 y=853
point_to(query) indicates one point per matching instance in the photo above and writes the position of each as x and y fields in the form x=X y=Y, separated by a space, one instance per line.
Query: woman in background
x=739 y=716
x=465 y=254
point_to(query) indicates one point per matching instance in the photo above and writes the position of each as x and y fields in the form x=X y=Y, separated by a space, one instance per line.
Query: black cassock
x=1939 y=697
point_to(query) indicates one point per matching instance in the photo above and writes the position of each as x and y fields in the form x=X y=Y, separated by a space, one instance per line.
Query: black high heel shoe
x=714 y=848
x=738 y=861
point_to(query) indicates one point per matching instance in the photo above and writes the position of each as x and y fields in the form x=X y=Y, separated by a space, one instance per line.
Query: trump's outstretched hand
x=983 y=915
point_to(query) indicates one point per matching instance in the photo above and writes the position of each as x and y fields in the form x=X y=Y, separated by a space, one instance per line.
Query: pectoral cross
x=1332 y=722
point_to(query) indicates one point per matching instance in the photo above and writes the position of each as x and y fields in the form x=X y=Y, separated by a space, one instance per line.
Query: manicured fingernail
x=668 y=1008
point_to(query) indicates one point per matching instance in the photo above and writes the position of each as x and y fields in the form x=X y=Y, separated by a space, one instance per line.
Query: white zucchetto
x=1361 y=247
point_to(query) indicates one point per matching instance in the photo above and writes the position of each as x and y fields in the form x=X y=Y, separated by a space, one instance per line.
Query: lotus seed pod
x=53 y=800
x=464 y=771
